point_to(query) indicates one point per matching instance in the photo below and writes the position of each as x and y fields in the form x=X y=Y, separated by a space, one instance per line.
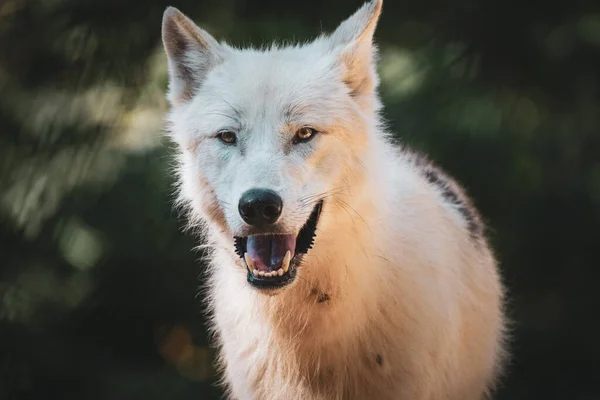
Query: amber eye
x=304 y=134
x=227 y=137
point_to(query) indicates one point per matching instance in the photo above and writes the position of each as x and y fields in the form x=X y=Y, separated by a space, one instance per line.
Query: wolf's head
x=269 y=137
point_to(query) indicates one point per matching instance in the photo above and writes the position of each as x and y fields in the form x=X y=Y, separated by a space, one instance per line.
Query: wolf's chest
x=261 y=368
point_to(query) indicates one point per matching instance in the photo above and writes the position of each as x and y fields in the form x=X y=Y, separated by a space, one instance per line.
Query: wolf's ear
x=191 y=53
x=353 y=41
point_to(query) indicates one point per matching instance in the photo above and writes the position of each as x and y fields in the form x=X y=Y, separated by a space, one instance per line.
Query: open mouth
x=272 y=260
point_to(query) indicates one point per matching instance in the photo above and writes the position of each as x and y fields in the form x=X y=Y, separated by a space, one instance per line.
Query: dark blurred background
x=98 y=284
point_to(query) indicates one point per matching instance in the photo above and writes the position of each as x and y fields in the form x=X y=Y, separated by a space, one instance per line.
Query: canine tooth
x=286 y=261
x=249 y=262
x=255 y=272
x=280 y=271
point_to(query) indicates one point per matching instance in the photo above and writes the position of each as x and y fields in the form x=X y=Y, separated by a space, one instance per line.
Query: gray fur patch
x=451 y=191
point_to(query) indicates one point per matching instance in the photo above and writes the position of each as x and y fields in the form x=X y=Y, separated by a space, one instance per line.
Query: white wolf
x=341 y=265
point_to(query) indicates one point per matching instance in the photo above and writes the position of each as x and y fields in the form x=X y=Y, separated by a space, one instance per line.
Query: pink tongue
x=267 y=251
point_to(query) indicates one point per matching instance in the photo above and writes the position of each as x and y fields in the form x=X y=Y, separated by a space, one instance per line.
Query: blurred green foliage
x=99 y=286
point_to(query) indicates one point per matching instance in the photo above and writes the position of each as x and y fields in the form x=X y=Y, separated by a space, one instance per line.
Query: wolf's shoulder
x=448 y=187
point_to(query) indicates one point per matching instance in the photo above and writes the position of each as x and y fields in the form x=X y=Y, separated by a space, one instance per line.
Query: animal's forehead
x=279 y=80
x=280 y=64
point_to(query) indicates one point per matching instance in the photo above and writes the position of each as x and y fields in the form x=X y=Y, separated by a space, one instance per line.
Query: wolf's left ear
x=354 y=41
x=191 y=52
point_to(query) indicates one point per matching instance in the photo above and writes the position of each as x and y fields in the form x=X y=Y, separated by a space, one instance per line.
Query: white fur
x=399 y=298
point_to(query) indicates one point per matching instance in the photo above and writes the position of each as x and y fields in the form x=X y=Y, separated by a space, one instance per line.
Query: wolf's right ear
x=191 y=53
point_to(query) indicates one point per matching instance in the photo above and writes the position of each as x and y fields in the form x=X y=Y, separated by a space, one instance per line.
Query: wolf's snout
x=259 y=207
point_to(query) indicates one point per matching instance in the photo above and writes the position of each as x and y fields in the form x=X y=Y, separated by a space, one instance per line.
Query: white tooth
x=286 y=261
x=249 y=262
x=255 y=272
x=280 y=272
x=261 y=273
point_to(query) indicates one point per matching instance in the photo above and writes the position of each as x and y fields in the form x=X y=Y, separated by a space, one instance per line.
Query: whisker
x=235 y=110
x=327 y=192
x=352 y=208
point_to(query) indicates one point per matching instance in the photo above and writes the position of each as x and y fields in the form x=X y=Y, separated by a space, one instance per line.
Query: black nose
x=260 y=207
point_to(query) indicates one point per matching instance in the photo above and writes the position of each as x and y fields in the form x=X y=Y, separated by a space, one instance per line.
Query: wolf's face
x=268 y=137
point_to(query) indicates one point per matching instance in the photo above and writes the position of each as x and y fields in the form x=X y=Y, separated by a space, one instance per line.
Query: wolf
x=341 y=264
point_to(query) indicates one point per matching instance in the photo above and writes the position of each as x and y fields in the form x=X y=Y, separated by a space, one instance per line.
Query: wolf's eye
x=304 y=134
x=227 y=137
